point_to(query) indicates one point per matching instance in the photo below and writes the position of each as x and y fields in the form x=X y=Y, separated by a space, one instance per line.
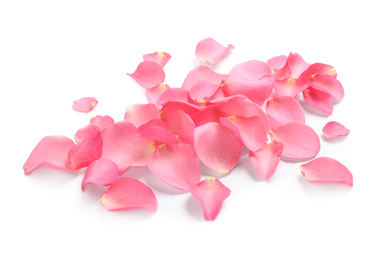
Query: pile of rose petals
x=208 y=120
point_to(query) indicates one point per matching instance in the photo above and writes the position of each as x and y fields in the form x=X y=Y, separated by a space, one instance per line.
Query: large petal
x=266 y=159
x=320 y=100
x=173 y=94
x=318 y=69
x=101 y=172
x=217 y=147
x=189 y=109
x=203 y=73
x=148 y=74
x=180 y=124
x=326 y=170
x=211 y=193
x=288 y=87
x=84 y=132
x=50 y=152
x=156 y=130
x=176 y=164
x=139 y=114
x=128 y=193
x=334 y=129
x=208 y=114
x=202 y=90
x=328 y=84
x=158 y=57
x=282 y=110
x=153 y=94
x=85 y=104
x=300 y=141
x=210 y=51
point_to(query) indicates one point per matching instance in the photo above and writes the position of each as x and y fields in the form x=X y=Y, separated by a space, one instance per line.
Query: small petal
x=211 y=52
x=180 y=124
x=128 y=193
x=51 y=152
x=320 y=100
x=156 y=130
x=266 y=159
x=158 y=57
x=326 y=170
x=203 y=90
x=201 y=73
x=173 y=94
x=153 y=94
x=85 y=104
x=328 y=84
x=334 y=129
x=282 y=110
x=318 y=69
x=139 y=114
x=84 y=132
x=148 y=74
x=101 y=121
x=217 y=147
x=211 y=193
x=102 y=172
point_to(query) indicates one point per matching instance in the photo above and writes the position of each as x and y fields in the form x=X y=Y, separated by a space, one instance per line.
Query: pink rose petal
x=50 y=152
x=300 y=141
x=334 y=129
x=173 y=94
x=158 y=57
x=156 y=130
x=128 y=193
x=328 y=84
x=148 y=74
x=318 y=69
x=203 y=90
x=288 y=87
x=326 y=170
x=211 y=193
x=101 y=121
x=266 y=159
x=153 y=94
x=139 y=114
x=320 y=100
x=85 y=104
x=189 y=109
x=101 y=172
x=282 y=110
x=208 y=114
x=180 y=124
x=211 y=52
x=201 y=73
x=217 y=147
x=84 y=132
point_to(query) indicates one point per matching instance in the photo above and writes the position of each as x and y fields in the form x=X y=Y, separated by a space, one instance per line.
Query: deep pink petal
x=139 y=114
x=288 y=87
x=334 y=129
x=328 y=84
x=180 y=124
x=173 y=94
x=282 y=110
x=85 y=104
x=50 y=152
x=101 y=121
x=148 y=74
x=211 y=52
x=320 y=100
x=202 y=90
x=153 y=94
x=122 y=146
x=211 y=193
x=326 y=170
x=201 y=73
x=217 y=147
x=159 y=57
x=266 y=159
x=156 y=130
x=101 y=172
x=176 y=164
x=128 y=193
x=300 y=141
x=189 y=109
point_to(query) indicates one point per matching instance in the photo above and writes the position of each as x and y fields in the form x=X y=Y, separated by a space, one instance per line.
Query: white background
x=54 y=52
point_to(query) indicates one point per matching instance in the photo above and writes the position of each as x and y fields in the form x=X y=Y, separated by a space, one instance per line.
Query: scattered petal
x=156 y=130
x=328 y=84
x=84 y=132
x=211 y=52
x=158 y=57
x=153 y=94
x=139 y=114
x=180 y=124
x=101 y=172
x=201 y=73
x=320 y=100
x=288 y=87
x=202 y=90
x=148 y=74
x=101 y=121
x=173 y=94
x=85 y=104
x=334 y=129
x=282 y=110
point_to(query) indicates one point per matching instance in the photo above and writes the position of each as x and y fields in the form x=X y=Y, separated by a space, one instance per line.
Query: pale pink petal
x=156 y=130
x=153 y=94
x=318 y=69
x=180 y=124
x=176 y=164
x=122 y=146
x=334 y=129
x=84 y=132
x=203 y=73
x=297 y=65
x=282 y=110
x=217 y=147
x=211 y=52
x=102 y=172
x=202 y=90
x=139 y=114
x=326 y=170
x=101 y=121
x=173 y=94
x=328 y=84
x=279 y=67
x=50 y=152
x=159 y=57
x=300 y=141
x=128 y=193
x=320 y=100
x=87 y=151
x=288 y=87
x=266 y=159
x=211 y=193
x=85 y=104
x=148 y=74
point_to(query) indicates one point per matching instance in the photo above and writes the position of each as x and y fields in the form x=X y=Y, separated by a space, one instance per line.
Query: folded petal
x=320 y=100
x=202 y=90
x=153 y=94
x=279 y=67
x=176 y=164
x=128 y=193
x=50 y=152
x=211 y=193
x=84 y=132
x=158 y=57
x=297 y=65
x=101 y=172
x=87 y=151
x=179 y=124
x=328 y=84
x=173 y=94
x=208 y=114
x=211 y=52
x=122 y=146
x=300 y=141
x=217 y=147
x=334 y=129
x=326 y=170
x=200 y=73
x=156 y=130
x=282 y=110
x=148 y=74
x=318 y=69
x=85 y=104
x=288 y=87
x=101 y=121
x=266 y=159
x=139 y=114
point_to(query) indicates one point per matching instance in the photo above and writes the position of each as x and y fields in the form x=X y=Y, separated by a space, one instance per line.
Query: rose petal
x=148 y=74
x=318 y=69
x=266 y=159
x=202 y=90
x=101 y=121
x=84 y=132
x=328 y=84
x=211 y=52
x=189 y=109
x=128 y=193
x=320 y=100
x=334 y=129
x=282 y=110
x=208 y=114
x=173 y=94
x=158 y=57
x=156 y=130
x=139 y=114
x=101 y=172
x=50 y=152
x=288 y=87
x=180 y=124
x=201 y=73
x=326 y=170
x=153 y=94
x=217 y=147
x=279 y=67
x=297 y=65
x=211 y=193
x=85 y=104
